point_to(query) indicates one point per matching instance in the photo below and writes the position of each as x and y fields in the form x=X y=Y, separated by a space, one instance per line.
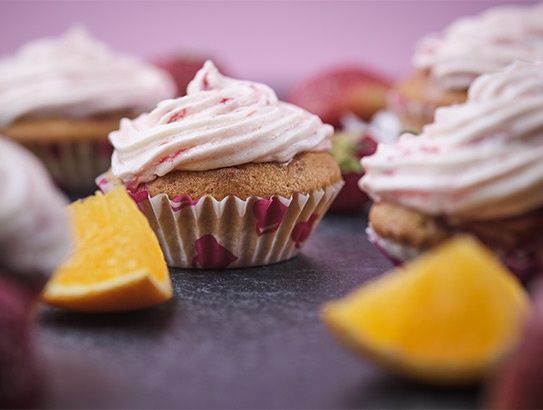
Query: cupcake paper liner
x=74 y=165
x=232 y=233
x=394 y=251
x=524 y=262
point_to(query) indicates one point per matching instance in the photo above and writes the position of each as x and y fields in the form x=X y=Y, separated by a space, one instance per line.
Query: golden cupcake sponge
x=117 y=263
x=446 y=317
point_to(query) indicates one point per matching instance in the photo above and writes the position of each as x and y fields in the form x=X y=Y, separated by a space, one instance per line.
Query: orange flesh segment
x=117 y=263
x=447 y=316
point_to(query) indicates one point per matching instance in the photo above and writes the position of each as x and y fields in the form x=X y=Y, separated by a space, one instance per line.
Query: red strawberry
x=183 y=68
x=210 y=254
x=334 y=93
x=348 y=149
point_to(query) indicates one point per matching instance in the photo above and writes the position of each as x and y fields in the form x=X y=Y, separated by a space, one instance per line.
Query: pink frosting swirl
x=479 y=160
x=34 y=224
x=76 y=76
x=482 y=44
x=221 y=122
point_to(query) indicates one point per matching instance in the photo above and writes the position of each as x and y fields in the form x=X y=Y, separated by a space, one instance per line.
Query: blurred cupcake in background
x=60 y=97
x=228 y=176
x=34 y=239
x=446 y=63
x=477 y=168
x=348 y=97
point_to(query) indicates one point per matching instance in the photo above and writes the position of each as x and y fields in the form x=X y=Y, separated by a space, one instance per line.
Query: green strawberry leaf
x=344 y=150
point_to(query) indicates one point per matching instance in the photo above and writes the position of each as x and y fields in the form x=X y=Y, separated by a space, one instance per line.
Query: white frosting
x=221 y=122
x=396 y=251
x=482 y=44
x=479 y=160
x=384 y=126
x=75 y=76
x=34 y=225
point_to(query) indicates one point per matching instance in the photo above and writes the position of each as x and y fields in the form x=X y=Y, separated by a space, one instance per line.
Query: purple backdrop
x=273 y=41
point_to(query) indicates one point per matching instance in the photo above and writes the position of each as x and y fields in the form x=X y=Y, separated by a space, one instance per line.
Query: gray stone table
x=246 y=338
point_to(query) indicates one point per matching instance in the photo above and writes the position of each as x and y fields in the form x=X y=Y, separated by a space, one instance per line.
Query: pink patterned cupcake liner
x=74 y=165
x=232 y=233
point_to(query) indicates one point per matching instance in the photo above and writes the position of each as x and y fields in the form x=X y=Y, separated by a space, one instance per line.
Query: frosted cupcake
x=478 y=168
x=445 y=64
x=34 y=238
x=228 y=175
x=34 y=226
x=60 y=97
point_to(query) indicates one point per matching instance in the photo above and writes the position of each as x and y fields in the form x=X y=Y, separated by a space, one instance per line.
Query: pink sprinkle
x=177 y=116
x=415 y=195
x=403 y=154
x=205 y=82
x=171 y=156
x=225 y=100
x=429 y=149
x=502 y=41
x=398 y=101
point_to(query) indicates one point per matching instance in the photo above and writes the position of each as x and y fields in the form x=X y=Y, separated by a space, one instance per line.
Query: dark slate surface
x=247 y=338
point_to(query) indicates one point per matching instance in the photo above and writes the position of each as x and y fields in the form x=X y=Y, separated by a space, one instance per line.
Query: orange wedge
x=117 y=264
x=446 y=317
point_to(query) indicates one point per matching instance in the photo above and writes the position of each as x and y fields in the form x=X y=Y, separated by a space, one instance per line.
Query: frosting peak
x=221 y=122
x=482 y=44
x=479 y=160
x=76 y=76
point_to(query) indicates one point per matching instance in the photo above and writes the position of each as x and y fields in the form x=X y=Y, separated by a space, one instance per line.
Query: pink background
x=275 y=41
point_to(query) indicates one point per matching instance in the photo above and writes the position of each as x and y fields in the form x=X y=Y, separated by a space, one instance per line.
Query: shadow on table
x=143 y=322
x=387 y=391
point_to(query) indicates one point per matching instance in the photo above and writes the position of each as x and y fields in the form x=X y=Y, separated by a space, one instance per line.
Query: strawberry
x=182 y=67
x=348 y=149
x=334 y=93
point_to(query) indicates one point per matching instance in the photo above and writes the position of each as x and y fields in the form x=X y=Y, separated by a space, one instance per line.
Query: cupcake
x=445 y=64
x=477 y=168
x=228 y=175
x=60 y=98
x=34 y=238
